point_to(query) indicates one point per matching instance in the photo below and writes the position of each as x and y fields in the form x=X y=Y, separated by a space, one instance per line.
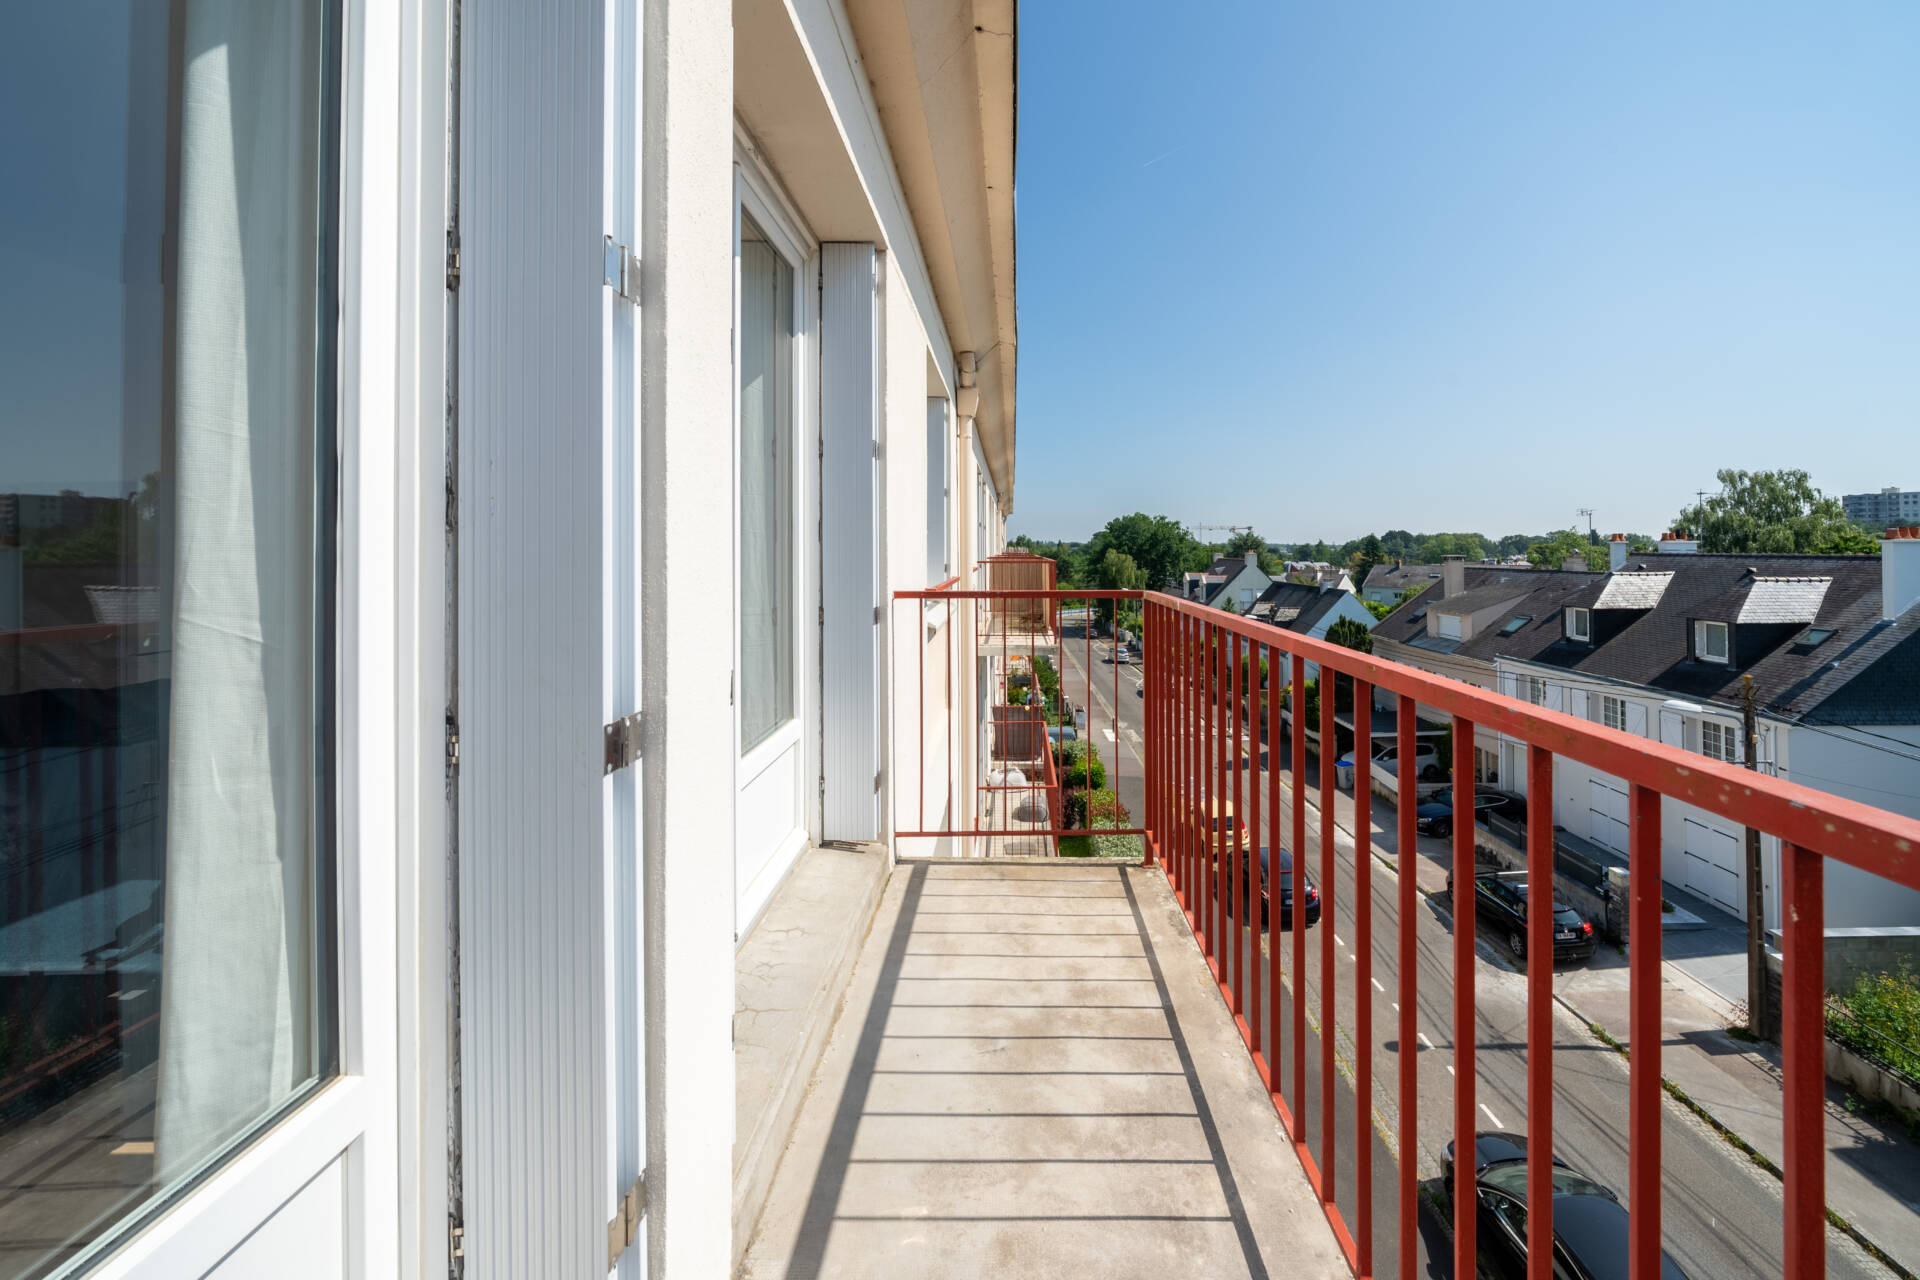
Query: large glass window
x=165 y=934
x=767 y=636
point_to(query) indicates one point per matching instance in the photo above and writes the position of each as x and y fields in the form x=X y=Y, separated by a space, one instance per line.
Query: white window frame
x=1613 y=712
x=1579 y=624
x=756 y=196
x=1457 y=623
x=1726 y=737
x=1701 y=630
x=1535 y=690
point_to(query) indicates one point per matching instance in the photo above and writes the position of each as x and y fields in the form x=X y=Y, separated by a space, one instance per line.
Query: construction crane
x=1223 y=528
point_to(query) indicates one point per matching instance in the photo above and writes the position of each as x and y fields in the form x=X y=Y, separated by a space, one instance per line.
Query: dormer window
x=1710 y=642
x=1580 y=624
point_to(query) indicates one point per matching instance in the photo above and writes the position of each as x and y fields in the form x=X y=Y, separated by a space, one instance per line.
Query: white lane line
x=1107 y=734
x=1339 y=941
x=1450 y=1071
x=1396 y=1006
x=1492 y=1117
x=1422 y=1037
x=1382 y=990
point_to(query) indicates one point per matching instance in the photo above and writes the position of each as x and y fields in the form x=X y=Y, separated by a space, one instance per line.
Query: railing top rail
x=1089 y=593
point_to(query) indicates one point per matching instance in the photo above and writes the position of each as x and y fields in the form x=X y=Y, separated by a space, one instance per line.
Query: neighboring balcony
x=1029 y=1073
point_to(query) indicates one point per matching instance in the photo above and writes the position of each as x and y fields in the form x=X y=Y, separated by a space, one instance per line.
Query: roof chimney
x=1253 y=559
x=1899 y=571
x=1617 y=553
x=1677 y=543
x=1574 y=564
x=1453 y=575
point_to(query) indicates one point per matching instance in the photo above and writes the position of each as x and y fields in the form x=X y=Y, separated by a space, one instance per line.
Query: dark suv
x=1286 y=890
x=1503 y=904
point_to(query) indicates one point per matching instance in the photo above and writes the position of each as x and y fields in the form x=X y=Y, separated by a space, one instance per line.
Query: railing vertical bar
x=1256 y=907
x=1298 y=886
x=1406 y=852
x=1643 y=1033
x=949 y=739
x=1329 y=751
x=1363 y=972
x=1407 y=774
x=1192 y=710
x=1149 y=700
x=1183 y=750
x=1540 y=1020
x=1802 y=1044
x=920 y=745
x=1236 y=888
x=1275 y=920
x=1216 y=688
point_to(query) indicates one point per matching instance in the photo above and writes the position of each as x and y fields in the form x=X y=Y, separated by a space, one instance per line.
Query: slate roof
x=1630 y=590
x=1389 y=577
x=1295 y=606
x=1866 y=672
x=1490 y=584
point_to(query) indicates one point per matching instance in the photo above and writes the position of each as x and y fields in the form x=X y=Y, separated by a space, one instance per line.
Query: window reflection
x=160 y=801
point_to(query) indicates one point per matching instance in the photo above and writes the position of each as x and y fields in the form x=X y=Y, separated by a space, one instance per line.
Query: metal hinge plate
x=456 y=1243
x=453 y=258
x=622 y=743
x=620 y=269
x=625 y=1227
x=453 y=745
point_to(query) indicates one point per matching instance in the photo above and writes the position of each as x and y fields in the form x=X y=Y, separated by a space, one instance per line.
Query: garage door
x=1713 y=865
x=1609 y=822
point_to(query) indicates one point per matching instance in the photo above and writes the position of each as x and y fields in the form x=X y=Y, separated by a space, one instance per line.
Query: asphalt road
x=1721 y=1215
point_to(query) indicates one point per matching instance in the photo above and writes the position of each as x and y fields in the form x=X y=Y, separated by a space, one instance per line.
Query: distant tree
x=1848 y=541
x=1766 y=511
x=1161 y=548
x=1228 y=606
x=1553 y=553
x=1117 y=572
x=1270 y=564
x=1352 y=634
x=1371 y=551
x=1515 y=544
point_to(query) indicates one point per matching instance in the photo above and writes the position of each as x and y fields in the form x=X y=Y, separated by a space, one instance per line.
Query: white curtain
x=766 y=483
x=238 y=998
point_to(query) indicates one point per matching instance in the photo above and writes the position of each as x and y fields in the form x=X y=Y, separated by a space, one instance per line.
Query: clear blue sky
x=1331 y=268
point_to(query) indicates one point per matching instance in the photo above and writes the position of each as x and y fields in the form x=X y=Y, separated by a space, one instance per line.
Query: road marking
x=1422 y=1037
x=1107 y=734
x=1492 y=1117
x=1450 y=1071
x=1339 y=940
x=1396 y=1006
x=1382 y=990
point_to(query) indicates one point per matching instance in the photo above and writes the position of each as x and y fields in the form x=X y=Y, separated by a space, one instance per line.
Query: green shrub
x=1095 y=808
x=1087 y=774
x=1880 y=1017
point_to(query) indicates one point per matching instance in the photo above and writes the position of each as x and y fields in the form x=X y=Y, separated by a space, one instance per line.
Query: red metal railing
x=1207 y=713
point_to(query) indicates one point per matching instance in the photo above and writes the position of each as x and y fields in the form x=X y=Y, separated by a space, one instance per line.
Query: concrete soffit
x=940 y=76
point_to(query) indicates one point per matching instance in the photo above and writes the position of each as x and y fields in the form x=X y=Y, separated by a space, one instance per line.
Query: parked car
x=1286 y=891
x=1503 y=903
x=1426 y=761
x=1223 y=820
x=1434 y=816
x=1121 y=653
x=1059 y=733
x=1589 y=1222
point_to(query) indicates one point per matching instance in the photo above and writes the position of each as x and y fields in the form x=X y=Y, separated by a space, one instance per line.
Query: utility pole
x=1756 y=895
x=1588 y=513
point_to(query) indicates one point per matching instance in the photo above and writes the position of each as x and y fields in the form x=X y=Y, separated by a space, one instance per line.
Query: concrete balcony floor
x=1033 y=1075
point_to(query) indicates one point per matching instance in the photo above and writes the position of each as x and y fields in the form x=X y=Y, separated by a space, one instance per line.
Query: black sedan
x=1589 y=1222
x=1503 y=904
x=1286 y=891
x=1434 y=816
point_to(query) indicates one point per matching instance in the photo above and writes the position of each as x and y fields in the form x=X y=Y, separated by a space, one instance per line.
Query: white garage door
x=1609 y=822
x=1713 y=865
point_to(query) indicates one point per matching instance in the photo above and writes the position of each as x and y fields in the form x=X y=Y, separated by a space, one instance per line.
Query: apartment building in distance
x=1889 y=508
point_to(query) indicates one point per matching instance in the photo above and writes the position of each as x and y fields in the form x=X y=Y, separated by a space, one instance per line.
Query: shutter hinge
x=625 y=1227
x=622 y=743
x=453 y=258
x=456 y=1243
x=620 y=269
x=453 y=743
x=876 y=613
x=876 y=779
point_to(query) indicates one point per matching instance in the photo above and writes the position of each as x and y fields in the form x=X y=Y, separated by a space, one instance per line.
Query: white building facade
x=470 y=596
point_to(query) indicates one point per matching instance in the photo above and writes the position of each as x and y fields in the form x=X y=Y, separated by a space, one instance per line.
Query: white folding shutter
x=1673 y=728
x=1556 y=696
x=849 y=527
x=1636 y=718
x=1579 y=702
x=1510 y=684
x=533 y=523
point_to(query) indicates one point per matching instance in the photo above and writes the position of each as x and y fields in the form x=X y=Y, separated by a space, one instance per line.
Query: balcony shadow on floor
x=1024 y=1099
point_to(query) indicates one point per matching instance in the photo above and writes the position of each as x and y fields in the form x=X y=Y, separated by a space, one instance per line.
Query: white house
x=1659 y=649
x=389 y=792
x=1309 y=611
x=1229 y=582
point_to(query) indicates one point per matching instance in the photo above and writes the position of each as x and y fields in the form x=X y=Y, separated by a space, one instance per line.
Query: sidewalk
x=1873 y=1171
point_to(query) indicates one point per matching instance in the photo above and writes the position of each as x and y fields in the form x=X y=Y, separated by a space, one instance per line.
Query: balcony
x=1031 y=1074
